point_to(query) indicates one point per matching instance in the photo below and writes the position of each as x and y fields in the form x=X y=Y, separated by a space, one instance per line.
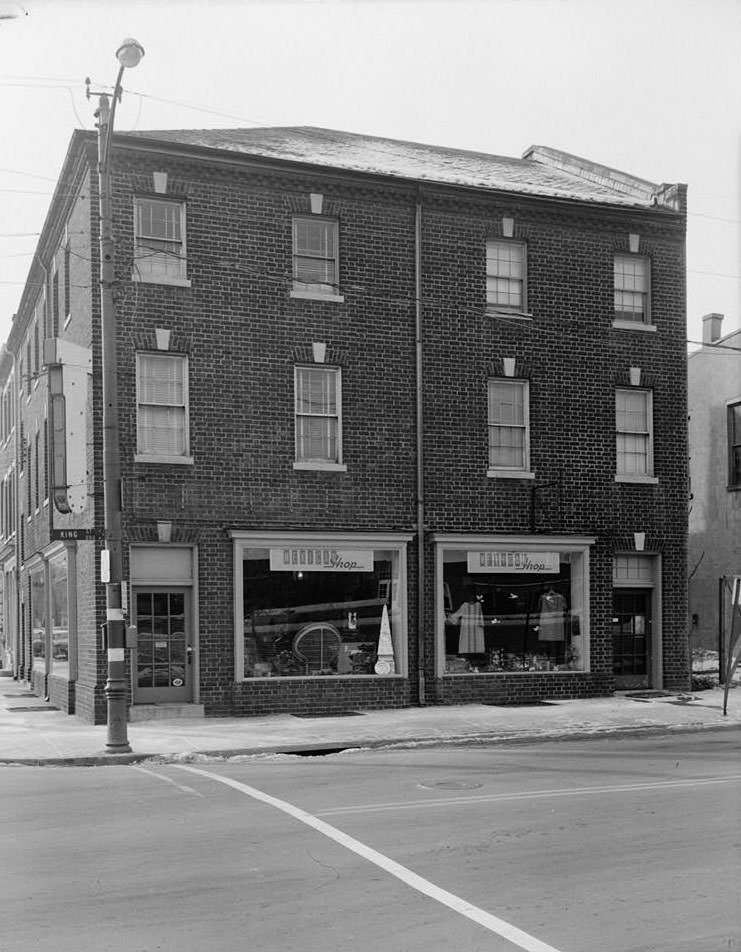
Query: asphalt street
x=627 y=844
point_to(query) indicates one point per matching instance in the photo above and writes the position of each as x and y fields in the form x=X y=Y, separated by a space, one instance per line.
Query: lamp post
x=129 y=55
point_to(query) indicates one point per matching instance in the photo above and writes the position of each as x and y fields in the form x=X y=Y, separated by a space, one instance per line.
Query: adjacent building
x=715 y=474
x=399 y=424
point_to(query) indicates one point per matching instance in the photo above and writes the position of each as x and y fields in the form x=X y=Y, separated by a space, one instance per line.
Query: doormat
x=646 y=695
x=34 y=708
x=331 y=714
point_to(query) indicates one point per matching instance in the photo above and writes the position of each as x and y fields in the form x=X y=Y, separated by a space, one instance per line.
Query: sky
x=650 y=87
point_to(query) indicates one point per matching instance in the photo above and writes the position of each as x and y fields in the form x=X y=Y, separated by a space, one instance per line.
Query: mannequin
x=552 y=608
x=471 y=618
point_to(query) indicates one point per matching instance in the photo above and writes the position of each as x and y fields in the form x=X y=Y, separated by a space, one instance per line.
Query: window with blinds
x=315 y=242
x=317 y=409
x=162 y=405
x=634 y=432
x=509 y=425
x=159 y=241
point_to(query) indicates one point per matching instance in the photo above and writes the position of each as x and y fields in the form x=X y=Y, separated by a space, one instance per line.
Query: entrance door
x=631 y=637
x=162 y=667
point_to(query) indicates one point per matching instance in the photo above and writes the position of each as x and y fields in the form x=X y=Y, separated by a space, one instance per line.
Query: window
x=37 y=615
x=162 y=407
x=509 y=427
x=522 y=606
x=505 y=275
x=59 y=614
x=734 y=445
x=634 y=433
x=315 y=267
x=631 y=289
x=318 y=605
x=55 y=305
x=159 y=246
x=67 y=282
x=318 y=419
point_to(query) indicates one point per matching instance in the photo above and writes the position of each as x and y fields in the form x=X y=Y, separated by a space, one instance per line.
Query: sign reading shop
x=514 y=561
x=320 y=559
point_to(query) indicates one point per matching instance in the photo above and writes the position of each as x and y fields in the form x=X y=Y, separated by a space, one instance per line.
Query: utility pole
x=111 y=561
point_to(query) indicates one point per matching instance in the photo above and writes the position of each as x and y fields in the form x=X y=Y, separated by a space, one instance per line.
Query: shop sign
x=320 y=559
x=513 y=561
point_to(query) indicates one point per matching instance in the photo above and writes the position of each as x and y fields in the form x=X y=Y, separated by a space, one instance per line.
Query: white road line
x=152 y=773
x=480 y=916
x=528 y=795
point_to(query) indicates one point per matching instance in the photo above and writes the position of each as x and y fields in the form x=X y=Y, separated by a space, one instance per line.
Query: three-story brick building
x=399 y=424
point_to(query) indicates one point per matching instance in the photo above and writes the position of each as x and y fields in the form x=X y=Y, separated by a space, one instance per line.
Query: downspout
x=422 y=700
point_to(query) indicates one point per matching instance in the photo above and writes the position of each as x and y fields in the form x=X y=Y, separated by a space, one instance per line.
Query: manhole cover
x=451 y=785
x=34 y=708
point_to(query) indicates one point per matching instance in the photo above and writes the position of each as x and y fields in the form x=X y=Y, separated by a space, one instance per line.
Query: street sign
x=61 y=535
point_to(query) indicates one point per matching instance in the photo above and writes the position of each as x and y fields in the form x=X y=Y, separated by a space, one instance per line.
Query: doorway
x=163 y=660
x=631 y=637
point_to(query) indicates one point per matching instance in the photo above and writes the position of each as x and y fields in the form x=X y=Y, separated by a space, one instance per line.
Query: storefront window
x=510 y=610
x=37 y=611
x=322 y=610
x=59 y=614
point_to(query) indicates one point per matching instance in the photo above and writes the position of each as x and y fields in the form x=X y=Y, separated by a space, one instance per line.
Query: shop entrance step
x=164 y=712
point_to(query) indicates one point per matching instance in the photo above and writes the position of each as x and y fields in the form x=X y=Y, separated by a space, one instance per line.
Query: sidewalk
x=32 y=732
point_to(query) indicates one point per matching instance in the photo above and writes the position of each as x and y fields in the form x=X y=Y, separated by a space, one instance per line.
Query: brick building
x=399 y=424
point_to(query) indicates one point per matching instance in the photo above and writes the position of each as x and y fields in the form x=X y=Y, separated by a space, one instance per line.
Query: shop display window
x=59 y=614
x=512 y=610
x=320 y=610
x=37 y=610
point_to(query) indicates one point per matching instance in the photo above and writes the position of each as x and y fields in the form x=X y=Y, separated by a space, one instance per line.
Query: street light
x=129 y=54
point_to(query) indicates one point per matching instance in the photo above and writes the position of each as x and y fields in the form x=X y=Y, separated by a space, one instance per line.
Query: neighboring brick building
x=715 y=482
x=399 y=424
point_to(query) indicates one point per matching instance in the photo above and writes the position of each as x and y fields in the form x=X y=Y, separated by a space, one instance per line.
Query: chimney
x=711 y=328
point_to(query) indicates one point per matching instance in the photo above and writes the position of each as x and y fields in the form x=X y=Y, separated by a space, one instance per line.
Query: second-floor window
x=162 y=406
x=631 y=289
x=318 y=420
x=509 y=425
x=315 y=253
x=734 y=445
x=159 y=240
x=634 y=432
x=505 y=275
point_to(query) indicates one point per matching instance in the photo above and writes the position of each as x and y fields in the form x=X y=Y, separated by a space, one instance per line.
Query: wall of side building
x=715 y=510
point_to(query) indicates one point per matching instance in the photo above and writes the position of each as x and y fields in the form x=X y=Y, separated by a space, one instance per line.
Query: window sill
x=316 y=295
x=169 y=460
x=493 y=311
x=634 y=326
x=734 y=488
x=640 y=480
x=509 y=474
x=320 y=467
x=160 y=279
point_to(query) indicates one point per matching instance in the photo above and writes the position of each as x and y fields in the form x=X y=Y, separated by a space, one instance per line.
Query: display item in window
x=470 y=616
x=552 y=616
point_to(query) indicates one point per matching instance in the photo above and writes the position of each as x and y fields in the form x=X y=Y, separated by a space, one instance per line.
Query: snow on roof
x=541 y=171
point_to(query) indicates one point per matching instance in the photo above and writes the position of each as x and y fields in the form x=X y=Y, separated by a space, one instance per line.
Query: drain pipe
x=422 y=700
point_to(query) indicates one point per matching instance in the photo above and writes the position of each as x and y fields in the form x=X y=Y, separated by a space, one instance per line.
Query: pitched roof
x=541 y=171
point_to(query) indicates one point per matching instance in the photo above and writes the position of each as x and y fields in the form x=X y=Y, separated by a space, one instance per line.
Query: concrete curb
x=515 y=738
